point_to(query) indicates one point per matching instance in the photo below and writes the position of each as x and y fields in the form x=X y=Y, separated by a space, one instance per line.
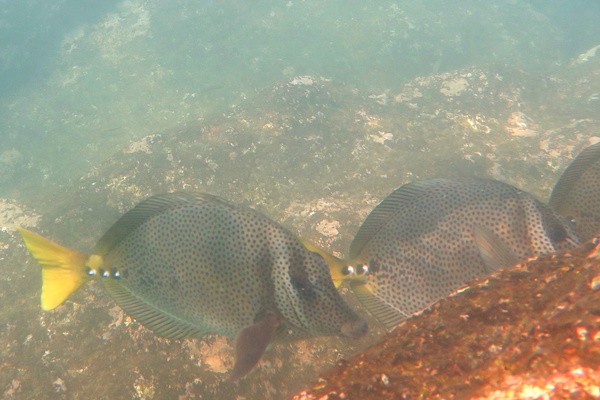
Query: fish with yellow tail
x=185 y=265
x=427 y=239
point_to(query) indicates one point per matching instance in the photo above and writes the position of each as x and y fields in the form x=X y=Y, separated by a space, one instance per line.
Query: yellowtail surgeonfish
x=577 y=193
x=185 y=265
x=427 y=239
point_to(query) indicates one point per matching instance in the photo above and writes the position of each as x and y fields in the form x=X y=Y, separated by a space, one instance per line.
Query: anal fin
x=161 y=322
x=384 y=312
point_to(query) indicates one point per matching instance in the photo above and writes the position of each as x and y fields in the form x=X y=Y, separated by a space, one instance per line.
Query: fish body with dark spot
x=577 y=192
x=185 y=265
x=427 y=239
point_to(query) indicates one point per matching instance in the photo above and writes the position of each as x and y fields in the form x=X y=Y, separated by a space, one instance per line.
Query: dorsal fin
x=385 y=211
x=495 y=253
x=144 y=211
x=586 y=159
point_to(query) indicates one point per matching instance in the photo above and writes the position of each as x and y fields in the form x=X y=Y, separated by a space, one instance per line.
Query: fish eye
x=300 y=284
x=362 y=269
x=303 y=287
x=557 y=233
x=347 y=270
x=90 y=272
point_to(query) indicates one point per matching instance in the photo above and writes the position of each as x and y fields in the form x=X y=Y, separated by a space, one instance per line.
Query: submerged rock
x=531 y=331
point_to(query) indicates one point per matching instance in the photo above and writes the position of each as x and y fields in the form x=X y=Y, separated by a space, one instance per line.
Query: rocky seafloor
x=317 y=155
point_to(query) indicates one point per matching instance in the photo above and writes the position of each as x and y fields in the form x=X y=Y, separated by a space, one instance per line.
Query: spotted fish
x=429 y=238
x=577 y=193
x=185 y=265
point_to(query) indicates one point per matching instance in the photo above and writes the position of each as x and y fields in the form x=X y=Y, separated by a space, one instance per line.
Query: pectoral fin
x=251 y=343
x=495 y=253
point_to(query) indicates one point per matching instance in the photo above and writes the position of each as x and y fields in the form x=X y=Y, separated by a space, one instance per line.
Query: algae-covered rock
x=531 y=331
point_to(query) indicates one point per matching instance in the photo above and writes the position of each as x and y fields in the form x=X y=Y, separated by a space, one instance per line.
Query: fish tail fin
x=63 y=269
x=335 y=264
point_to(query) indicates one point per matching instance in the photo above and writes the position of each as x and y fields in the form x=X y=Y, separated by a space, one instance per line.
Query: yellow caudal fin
x=63 y=269
x=336 y=266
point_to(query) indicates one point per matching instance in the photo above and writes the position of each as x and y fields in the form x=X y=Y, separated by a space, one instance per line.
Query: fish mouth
x=355 y=329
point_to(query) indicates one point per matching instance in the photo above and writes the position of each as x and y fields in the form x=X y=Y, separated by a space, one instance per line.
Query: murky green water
x=81 y=79
x=310 y=111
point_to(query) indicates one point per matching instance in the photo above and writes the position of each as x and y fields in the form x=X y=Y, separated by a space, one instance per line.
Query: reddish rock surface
x=532 y=331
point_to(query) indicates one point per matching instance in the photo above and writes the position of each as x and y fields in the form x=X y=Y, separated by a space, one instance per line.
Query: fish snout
x=355 y=329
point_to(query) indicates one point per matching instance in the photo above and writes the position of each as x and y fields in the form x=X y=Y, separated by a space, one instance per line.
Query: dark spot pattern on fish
x=192 y=264
x=423 y=241
x=576 y=195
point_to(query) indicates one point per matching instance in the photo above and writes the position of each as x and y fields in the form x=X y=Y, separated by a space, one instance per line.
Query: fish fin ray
x=158 y=321
x=381 y=310
x=63 y=269
x=495 y=253
x=145 y=211
x=251 y=342
x=385 y=211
